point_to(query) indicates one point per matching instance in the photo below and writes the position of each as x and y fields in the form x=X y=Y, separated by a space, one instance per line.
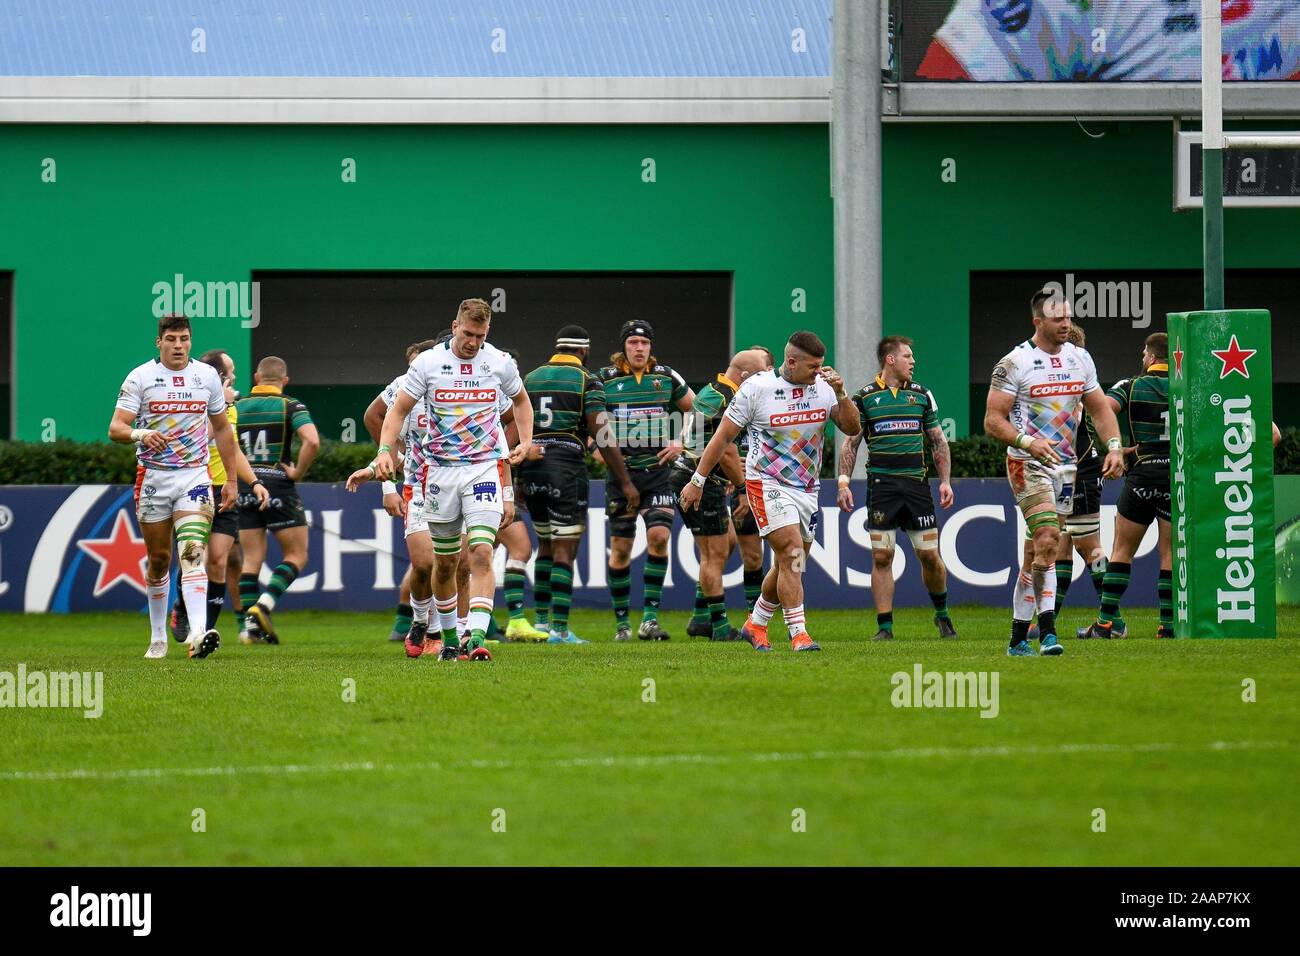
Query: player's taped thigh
x=568 y=531
x=446 y=537
x=481 y=528
x=543 y=529
x=1041 y=519
x=1082 y=526
x=883 y=540
x=924 y=539
x=192 y=532
x=658 y=518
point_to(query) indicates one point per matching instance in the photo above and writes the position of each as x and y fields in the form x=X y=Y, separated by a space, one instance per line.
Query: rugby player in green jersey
x=1142 y=404
x=642 y=394
x=898 y=414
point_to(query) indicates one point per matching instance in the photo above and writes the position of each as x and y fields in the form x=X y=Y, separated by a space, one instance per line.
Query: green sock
x=281 y=578
x=561 y=596
x=1064 y=574
x=515 y=579
x=620 y=587
x=718 y=615
x=940 y=602
x=702 y=614
x=449 y=636
x=753 y=586
x=1113 y=588
x=656 y=569
x=1098 y=574
x=1165 y=590
x=402 y=622
x=248 y=591
x=542 y=589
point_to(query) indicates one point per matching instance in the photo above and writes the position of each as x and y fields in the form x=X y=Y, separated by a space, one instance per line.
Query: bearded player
x=1033 y=409
x=167 y=408
x=786 y=415
x=463 y=445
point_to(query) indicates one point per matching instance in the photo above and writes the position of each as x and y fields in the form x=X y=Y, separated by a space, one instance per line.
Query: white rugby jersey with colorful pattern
x=786 y=424
x=176 y=403
x=417 y=420
x=1049 y=390
x=462 y=400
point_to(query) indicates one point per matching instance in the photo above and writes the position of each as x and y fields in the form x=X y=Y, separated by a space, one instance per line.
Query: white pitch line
x=660 y=760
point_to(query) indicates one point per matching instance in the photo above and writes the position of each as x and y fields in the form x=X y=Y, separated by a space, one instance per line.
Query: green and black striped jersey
x=267 y=420
x=1144 y=411
x=563 y=393
x=702 y=421
x=641 y=410
x=894 y=423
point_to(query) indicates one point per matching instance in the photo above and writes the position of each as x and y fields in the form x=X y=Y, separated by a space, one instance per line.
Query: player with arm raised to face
x=710 y=521
x=568 y=407
x=1142 y=402
x=897 y=415
x=786 y=415
x=1033 y=408
x=642 y=395
x=269 y=420
x=167 y=408
x=408 y=500
x=463 y=446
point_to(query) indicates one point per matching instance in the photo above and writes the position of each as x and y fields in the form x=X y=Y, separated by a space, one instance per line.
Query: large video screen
x=1154 y=41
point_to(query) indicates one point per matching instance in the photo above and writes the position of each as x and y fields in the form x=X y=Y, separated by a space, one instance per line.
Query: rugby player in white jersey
x=167 y=408
x=1033 y=409
x=785 y=411
x=463 y=447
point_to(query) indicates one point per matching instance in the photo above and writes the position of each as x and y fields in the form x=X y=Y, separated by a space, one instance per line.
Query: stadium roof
x=414 y=38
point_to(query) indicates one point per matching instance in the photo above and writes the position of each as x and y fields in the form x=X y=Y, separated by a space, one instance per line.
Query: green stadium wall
x=134 y=205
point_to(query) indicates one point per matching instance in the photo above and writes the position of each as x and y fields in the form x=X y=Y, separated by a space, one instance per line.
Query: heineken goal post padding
x=1221 y=473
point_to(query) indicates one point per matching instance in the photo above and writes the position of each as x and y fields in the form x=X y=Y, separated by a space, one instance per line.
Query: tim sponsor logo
x=923 y=688
x=73 y=690
x=74 y=909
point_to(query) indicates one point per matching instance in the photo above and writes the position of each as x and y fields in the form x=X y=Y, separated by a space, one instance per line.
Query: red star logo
x=1178 y=358
x=1234 y=359
x=120 y=555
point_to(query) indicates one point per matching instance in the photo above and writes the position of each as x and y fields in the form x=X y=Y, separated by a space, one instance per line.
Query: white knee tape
x=514 y=564
x=1084 y=526
x=883 y=540
x=927 y=540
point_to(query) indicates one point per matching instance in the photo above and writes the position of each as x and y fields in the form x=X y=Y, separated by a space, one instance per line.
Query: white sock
x=158 y=610
x=447 y=614
x=1045 y=583
x=794 y=619
x=1022 y=604
x=420 y=610
x=462 y=624
x=762 y=612
x=267 y=601
x=194 y=592
x=480 y=611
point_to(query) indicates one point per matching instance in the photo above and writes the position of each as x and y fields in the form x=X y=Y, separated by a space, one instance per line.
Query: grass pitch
x=559 y=746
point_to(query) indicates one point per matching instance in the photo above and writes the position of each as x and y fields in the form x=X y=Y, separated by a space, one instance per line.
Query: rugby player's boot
x=1098 y=629
x=432 y=647
x=1050 y=646
x=624 y=633
x=179 y=621
x=157 y=649
x=802 y=642
x=568 y=637
x=205 y=644
x=1033 y=634
x=756 y=634
x=479 y=653
x=415 y=638
x=651 y=631
x=521 y=631
x=450 y=653
x=262 y=618
x=1164 y=631
x=1119 y=628
x=884 y=634
x=699 y=629
x=1023 y=649
x=946 y=631
x=731 y=635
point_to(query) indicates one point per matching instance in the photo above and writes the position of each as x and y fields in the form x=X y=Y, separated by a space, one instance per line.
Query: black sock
x=1046 y=623
x=216 y=598
x=1019 y=631
x=885 y=622
x=1064 y=576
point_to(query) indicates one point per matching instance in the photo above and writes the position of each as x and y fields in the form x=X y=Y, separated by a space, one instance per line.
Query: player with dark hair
x=786 y=414
x=1033 y=408
x=641 y=394
x=897 y=415
x=568 y=407
x=1142 y=403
